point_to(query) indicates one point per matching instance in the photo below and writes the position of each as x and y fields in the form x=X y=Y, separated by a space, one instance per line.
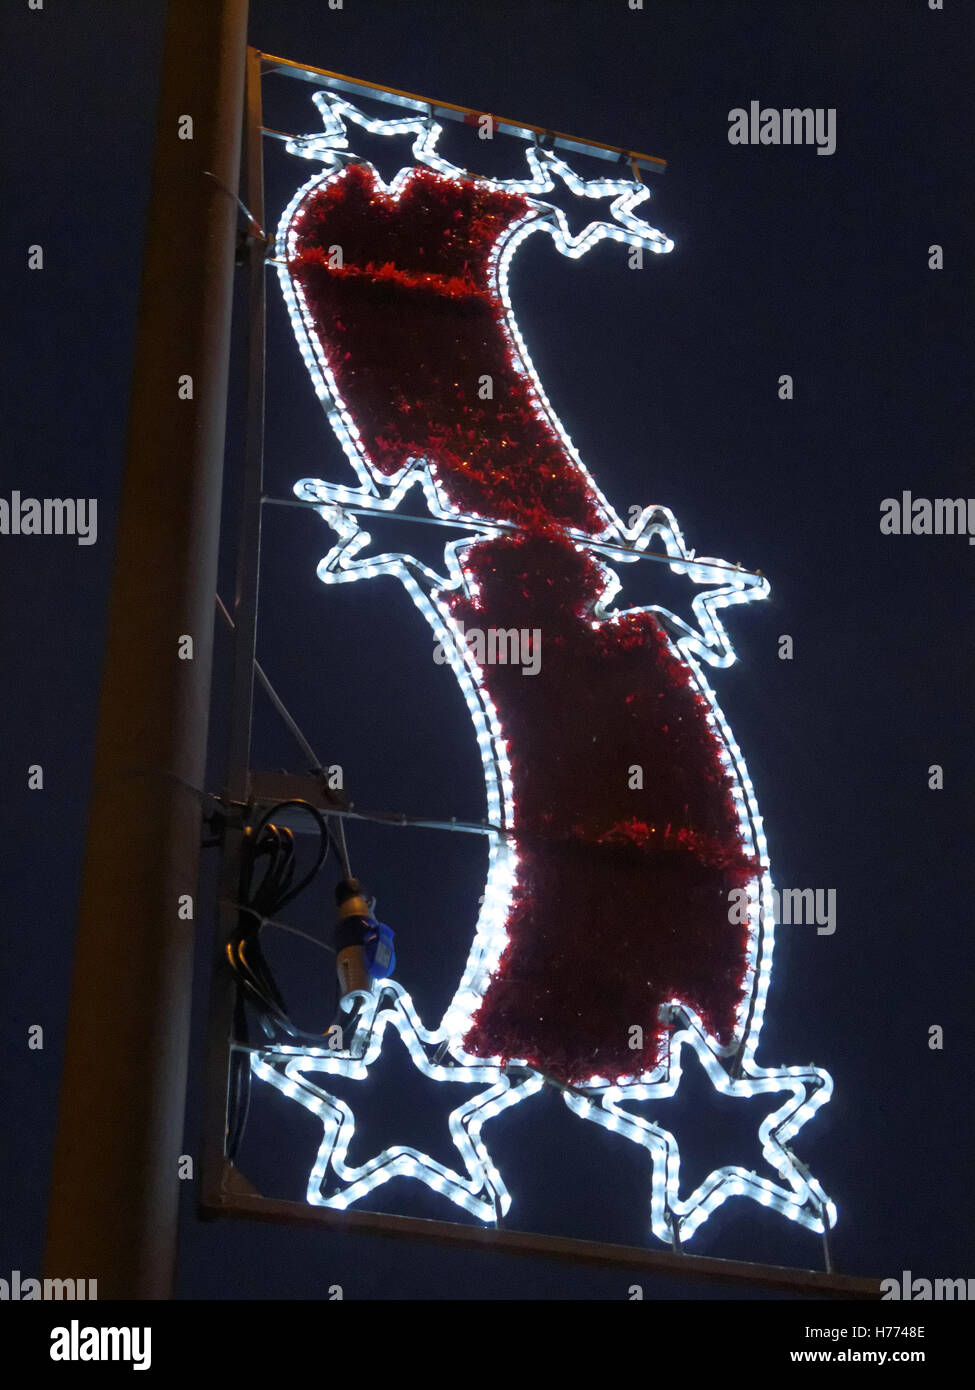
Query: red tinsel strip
x=624 y=891
x=413 y=325
x=622 y=898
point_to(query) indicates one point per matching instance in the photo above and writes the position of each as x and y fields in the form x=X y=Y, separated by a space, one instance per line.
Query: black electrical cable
x=268 y=867
x=267 y=884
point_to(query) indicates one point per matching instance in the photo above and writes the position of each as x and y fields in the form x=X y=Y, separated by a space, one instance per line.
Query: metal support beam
x=447 y=110
x=114 y=1198
x=237 y=777
x=240 y=1199
x=624 y=552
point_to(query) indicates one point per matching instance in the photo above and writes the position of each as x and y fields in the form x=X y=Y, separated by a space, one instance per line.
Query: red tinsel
x=622 y=898
x=412 y=324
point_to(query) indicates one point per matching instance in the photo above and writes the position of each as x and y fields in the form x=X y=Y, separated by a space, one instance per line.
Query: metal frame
x=338 y=82
x=225 y=1191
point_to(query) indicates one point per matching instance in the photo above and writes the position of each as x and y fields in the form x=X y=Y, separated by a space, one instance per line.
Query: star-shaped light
x=333 y=1181
x=797 y=1196
x=340 y=505
x=735 y=585
x=330 y=146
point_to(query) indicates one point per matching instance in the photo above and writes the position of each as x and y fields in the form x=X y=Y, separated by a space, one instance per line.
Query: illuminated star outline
x=480 y=1189
x=483 y=1191
x=799 y=1196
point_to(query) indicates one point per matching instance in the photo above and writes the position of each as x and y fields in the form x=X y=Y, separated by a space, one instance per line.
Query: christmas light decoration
x=481 y=1192
x=799 y=1196
x=436 y=245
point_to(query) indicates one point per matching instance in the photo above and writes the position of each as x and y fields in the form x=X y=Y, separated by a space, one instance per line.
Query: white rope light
x=481 y=1191
x=798 y=1196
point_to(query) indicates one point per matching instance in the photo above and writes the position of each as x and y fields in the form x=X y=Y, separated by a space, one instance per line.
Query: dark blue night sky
x=667 y=381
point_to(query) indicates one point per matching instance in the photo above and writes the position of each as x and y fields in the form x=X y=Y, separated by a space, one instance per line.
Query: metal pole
x=115 y=1187
x=236 y=786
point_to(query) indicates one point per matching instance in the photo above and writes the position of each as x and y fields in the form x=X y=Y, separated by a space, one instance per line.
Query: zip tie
x=261 y=234
x=270 y=922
